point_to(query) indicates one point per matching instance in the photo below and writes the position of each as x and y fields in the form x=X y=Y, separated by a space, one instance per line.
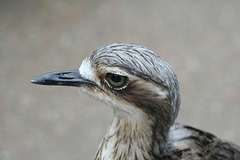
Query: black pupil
x=116 y=78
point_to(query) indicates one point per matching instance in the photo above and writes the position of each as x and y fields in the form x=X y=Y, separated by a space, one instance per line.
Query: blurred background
x=199 y=39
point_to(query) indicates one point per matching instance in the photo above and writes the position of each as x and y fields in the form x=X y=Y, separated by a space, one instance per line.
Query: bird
x=143 y=91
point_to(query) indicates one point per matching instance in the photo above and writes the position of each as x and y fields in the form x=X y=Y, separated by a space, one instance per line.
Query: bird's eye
x=117 y=82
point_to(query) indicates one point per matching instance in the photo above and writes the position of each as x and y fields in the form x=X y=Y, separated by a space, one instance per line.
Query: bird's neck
x=132 y=138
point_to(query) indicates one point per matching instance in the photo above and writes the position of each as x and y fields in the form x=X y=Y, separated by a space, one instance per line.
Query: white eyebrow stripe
x=116 y=70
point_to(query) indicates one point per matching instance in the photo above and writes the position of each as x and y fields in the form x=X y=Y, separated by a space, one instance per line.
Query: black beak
x=64 y=78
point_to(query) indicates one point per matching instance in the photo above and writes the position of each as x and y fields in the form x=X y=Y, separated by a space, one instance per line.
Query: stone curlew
x=143 y=91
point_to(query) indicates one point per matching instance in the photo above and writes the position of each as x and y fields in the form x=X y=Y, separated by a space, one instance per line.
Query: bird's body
x=144 y=94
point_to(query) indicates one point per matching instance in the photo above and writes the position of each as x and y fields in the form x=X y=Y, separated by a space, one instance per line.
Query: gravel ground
x=199 y=39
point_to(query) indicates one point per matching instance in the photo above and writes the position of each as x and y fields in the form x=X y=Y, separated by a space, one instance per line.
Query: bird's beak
x=63 y=78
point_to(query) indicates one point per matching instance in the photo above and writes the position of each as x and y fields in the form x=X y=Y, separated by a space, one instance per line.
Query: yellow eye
x=115 y=81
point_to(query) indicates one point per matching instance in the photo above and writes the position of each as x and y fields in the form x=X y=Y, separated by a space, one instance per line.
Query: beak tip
x=33 y=81
x=36 y=80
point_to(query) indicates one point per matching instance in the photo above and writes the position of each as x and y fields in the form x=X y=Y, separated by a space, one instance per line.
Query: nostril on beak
x=66 y=76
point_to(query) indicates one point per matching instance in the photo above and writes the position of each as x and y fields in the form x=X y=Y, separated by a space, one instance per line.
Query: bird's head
x=132 y=79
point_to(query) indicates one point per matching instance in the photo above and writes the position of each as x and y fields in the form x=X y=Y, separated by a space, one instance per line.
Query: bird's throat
x=128 y=138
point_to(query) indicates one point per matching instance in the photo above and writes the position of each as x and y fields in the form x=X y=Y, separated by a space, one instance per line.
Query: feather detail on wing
x=197 y=144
